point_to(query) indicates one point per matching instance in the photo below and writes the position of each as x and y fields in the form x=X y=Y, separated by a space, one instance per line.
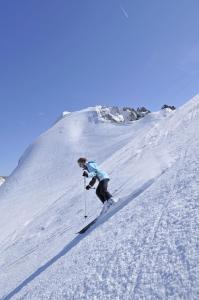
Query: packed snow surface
x=145 y=247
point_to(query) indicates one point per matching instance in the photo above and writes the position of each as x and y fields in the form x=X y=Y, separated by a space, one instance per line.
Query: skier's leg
x=107 y=196
x=103 y=189
x=99 y=194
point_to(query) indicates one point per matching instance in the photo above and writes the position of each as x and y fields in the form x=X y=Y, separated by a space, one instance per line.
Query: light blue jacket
x=95 y=171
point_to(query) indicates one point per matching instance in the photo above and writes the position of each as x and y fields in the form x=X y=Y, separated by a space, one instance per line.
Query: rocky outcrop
x=121 y=115
x=165 y=106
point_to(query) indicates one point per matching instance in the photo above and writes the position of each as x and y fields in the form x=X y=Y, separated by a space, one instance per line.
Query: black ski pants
x=102 y=192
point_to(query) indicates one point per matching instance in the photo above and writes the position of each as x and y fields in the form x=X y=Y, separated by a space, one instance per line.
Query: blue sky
x=71 y=54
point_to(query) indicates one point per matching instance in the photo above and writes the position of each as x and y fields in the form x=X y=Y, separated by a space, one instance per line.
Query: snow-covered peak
x=114 y=114
x=110 y=114
x=117 y=114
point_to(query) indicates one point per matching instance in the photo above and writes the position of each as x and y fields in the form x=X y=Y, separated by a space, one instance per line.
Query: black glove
x=88 y=187
x=85 y=174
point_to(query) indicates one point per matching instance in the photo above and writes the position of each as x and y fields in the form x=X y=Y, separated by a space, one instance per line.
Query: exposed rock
x=168 y=106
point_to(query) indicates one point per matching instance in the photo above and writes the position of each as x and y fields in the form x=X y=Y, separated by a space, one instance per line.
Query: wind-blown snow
x=146 y=247
x=2 y=180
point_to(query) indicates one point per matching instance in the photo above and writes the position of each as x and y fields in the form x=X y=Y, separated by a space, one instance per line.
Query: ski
x=94 y=221
x=87 y=226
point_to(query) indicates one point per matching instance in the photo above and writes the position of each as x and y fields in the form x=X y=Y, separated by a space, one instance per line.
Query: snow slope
x=145 y=248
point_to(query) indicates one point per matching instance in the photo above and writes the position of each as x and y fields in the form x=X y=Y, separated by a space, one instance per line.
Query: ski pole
x=85 y=206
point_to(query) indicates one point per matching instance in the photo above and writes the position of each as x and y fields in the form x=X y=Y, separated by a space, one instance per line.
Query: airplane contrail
x=124 y=12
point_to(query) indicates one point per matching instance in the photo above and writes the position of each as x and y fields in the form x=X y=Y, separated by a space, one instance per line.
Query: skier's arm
x=88 y=174
x=92 y=182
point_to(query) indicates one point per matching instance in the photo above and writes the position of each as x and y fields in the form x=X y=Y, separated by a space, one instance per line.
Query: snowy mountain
x=146 y=247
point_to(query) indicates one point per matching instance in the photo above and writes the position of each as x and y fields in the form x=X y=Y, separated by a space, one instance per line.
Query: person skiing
x=91 y=169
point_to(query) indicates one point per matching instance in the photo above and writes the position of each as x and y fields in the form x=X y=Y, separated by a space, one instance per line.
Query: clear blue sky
x=58 y=55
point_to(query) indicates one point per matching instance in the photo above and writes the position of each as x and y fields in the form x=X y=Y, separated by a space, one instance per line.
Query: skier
x=91 y=169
